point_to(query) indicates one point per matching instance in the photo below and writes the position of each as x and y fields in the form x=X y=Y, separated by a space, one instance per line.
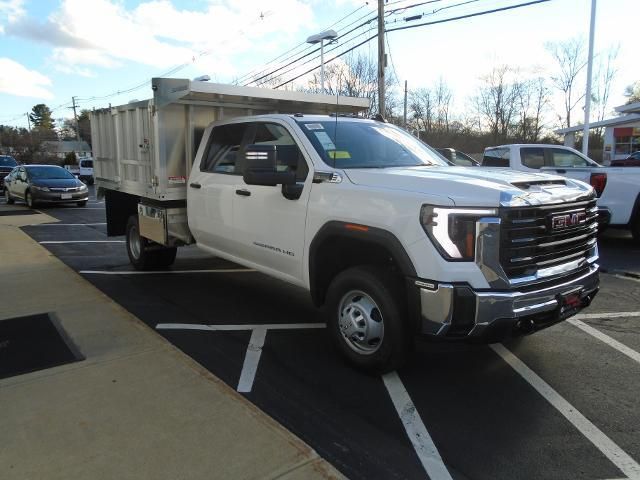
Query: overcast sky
x=52 y=50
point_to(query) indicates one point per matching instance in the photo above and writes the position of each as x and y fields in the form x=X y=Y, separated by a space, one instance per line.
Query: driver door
x=269 y=228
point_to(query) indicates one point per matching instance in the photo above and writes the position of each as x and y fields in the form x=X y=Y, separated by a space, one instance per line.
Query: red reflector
x=359 y=228
x=598 y=181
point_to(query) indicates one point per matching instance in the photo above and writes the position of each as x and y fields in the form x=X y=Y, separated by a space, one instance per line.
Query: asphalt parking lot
x=561 y=404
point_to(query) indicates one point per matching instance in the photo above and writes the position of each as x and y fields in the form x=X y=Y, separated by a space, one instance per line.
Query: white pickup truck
x=618 y=189
x=388 y=238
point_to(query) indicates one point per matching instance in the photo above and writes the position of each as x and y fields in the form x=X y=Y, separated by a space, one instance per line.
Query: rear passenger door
x=269 y=228
x=211 y=188
x=569 y=164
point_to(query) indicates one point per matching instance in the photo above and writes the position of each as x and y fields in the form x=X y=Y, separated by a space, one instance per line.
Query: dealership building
x=621 y=133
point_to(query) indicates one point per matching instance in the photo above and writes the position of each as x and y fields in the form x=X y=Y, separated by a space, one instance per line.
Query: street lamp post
x=320 y=38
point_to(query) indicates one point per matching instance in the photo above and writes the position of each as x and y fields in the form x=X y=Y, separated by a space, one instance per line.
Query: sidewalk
x=136 y=407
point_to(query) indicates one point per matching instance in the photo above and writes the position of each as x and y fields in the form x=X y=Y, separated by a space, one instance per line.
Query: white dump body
x=146 y=148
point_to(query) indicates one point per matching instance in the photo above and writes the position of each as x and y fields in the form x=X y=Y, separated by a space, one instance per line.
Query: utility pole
x=587 y=104
x=75 y=115
x=404 y=116
x=382 y=58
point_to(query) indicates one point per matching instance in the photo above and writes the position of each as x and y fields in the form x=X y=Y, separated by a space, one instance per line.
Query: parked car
x=632 y=160
x=86 y=170
x=618 y=191
x=457 y=157
x=7 y=163
x=44 y=184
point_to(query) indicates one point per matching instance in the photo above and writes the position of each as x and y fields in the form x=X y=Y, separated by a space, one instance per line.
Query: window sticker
x=325 y=140
x=338 y=154
x=314 y=126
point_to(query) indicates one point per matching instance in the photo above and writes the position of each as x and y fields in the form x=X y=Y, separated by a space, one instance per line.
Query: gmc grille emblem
x=568 y=220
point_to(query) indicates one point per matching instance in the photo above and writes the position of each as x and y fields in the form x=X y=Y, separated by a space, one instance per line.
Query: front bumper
x=56 y=197
x=458 y=311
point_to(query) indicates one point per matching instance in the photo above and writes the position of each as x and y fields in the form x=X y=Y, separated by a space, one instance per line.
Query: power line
x=461 y=17
x=265 y=65
x=328 y=51
x=368 y=21
x=256 y=80
x=477 y=14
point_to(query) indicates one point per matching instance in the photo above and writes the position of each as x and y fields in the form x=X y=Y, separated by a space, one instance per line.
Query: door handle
x=561 y=170
x=195 y=185
x=244 y=193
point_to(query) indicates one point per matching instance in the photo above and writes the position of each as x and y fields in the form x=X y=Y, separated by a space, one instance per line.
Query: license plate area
x=66 y=196
x=569 y=303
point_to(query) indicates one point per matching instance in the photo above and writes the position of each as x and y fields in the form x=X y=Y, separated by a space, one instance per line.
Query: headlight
x=42 y=189
x=453 y=230
x=83 y=187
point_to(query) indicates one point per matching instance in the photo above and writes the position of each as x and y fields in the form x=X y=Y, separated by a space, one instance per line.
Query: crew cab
x=618 y=190
x=390 y=240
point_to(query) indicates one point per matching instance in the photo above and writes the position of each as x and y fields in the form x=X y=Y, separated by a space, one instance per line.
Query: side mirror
x=260 y=167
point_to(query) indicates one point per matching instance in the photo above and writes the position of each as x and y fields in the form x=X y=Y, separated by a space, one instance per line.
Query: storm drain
x=32 y=343
x=8 y=213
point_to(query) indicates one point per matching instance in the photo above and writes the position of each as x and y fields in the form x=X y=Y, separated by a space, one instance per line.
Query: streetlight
x=321 y=37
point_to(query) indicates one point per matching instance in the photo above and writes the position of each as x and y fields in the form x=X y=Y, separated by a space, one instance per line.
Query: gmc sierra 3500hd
x=390 y=240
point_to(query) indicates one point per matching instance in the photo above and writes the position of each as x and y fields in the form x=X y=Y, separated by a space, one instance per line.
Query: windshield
x=49 y=172
x=7 y=161
x=368 y=144
x=86 y=163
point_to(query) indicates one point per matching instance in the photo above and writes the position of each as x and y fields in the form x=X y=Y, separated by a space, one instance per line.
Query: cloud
x=16 y=79
x=103 y=33
x=10 y=11
x=45 y=32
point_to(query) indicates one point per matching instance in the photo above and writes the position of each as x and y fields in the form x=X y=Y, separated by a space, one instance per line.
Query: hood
x=475 y=186
x=57 y=182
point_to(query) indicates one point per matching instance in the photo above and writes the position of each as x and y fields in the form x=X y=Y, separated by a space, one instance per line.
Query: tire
x=165 y=257
x=635 y=229
x=8 y=197
x=141 y=256
x=366 y=316
x=28 y=199
x=82 y=204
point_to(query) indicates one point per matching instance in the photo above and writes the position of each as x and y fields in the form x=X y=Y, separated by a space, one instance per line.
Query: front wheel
x=366 y=317
x=28 y=198
x=8 y=197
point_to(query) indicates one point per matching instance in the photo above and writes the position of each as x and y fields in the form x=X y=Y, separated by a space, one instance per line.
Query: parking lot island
x=134 y=406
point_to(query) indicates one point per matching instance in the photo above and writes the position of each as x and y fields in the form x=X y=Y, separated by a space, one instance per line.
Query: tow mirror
x=260 y=167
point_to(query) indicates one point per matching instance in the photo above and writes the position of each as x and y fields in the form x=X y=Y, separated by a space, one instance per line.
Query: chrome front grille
x=64 y=190
x=543 y=238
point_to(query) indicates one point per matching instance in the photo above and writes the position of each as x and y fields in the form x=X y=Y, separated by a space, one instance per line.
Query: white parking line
x=229 y=328
x=609 y=449
x=632 y=354
x=46 y=242
x=587 y=316
x=254 y=349
x=164 y=272
x=416 y=431
x=251 y=360
x=64 y=224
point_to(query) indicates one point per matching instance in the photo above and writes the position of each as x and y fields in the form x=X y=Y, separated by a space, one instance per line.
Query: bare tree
x=355 y=75
x=571 y=60
x=443 y=98
x=533 y=101
x=496 y=102
x=422 y=109
x=605 y=73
